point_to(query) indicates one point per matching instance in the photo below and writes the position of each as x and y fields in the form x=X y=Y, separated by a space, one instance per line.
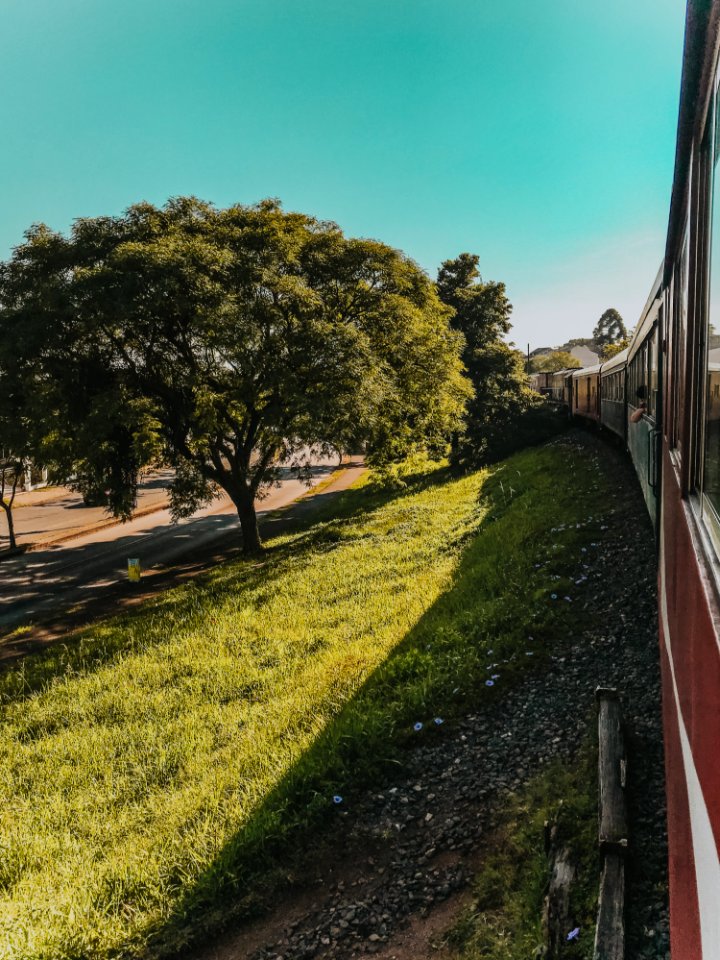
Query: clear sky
x=537 y=133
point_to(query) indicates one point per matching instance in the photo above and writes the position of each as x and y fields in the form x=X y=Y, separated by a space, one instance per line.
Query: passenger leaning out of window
x=642 y=406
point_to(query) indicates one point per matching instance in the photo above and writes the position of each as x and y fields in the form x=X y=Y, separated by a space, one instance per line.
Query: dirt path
x=396 y=864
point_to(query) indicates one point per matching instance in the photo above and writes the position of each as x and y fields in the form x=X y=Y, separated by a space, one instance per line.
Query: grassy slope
x=153 y=767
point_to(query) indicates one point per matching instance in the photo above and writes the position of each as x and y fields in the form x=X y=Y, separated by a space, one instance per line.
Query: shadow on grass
x=439 y=668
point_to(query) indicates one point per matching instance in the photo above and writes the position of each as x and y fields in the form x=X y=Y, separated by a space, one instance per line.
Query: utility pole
x=528 y=361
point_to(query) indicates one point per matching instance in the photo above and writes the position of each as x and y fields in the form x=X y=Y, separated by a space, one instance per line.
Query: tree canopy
x=495 y=368
x=557 y=360
x=223 y=341
x=610 y=328
x=612 y=349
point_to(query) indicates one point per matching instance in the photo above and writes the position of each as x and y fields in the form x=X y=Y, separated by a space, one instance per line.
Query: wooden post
x=612 y=767
x=612 y=827
x=610 y=931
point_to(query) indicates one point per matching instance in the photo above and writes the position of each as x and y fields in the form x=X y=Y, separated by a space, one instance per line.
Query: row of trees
x=223 y=342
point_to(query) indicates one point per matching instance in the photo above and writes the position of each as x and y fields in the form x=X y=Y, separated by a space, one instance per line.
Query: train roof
x=587 y=371
x=616 y=362
x=647 y=317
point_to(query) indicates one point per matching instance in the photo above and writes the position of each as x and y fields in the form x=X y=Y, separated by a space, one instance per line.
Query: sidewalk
x=56 y=514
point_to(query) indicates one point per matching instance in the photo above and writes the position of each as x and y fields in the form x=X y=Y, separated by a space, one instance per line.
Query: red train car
x=686 y=315
x=670 y=387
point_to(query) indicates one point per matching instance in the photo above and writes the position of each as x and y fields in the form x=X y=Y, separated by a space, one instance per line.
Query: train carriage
x=613 y=413
x=586 y=393
x=539 y=382
x=671 y=423
x=557 y=385
x=644 y=399
x=550 y=385
x=674 y=439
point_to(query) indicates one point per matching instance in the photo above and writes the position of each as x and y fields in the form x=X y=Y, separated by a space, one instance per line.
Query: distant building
x=586 y=356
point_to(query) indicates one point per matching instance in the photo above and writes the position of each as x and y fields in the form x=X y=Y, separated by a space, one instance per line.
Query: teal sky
x=537 y=133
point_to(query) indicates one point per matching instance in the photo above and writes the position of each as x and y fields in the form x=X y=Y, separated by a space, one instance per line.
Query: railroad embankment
x=355 y=740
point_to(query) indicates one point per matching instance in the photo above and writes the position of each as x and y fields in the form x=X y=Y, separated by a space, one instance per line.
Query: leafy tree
x=496 y=369
x=80 y=417
x=612 y=349
x=557 y=360
x=610 y=328
x=224 y=342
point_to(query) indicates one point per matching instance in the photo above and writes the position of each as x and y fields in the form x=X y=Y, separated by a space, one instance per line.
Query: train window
x=637 y=377
x=680 y=343
x=711 y=459
x=653 y=374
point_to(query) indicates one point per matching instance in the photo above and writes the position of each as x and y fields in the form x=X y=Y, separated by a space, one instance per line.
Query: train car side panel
x=642 y=441
x=612 y=395
x=586 y=393
x=689 y=616
x=613 y=416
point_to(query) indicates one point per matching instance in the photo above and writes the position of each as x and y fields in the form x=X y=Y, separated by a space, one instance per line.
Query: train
x=661 y=398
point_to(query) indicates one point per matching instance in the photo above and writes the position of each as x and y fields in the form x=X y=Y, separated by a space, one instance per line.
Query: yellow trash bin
x=134 y=571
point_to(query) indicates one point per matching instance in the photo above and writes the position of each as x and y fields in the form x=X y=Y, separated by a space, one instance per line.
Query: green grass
x=155 y=768
x=504 y=921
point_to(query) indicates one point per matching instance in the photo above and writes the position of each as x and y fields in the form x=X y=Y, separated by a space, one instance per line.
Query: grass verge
x=153 y=768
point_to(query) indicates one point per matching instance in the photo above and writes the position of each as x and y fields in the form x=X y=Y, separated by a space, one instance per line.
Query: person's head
x=642 y=392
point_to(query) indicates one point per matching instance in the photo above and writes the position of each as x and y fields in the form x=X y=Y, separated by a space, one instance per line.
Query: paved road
x=46 y=515
x=85 y=576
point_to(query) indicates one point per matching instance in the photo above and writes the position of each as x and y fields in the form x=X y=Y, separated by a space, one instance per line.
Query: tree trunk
x=245 y=504
x=7 y=505
x=11 y=524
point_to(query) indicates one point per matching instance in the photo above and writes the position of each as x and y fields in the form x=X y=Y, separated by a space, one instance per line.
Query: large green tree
x=610 y=328
x=225 y=342
x=495 y=368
